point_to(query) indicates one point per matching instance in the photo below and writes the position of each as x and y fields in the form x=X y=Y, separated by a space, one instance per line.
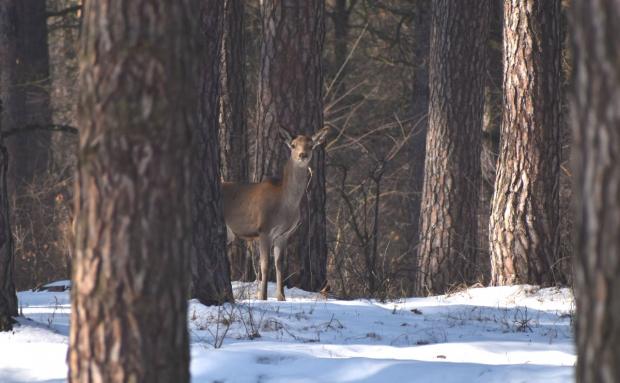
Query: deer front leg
x=279 y=252
x=265 y=248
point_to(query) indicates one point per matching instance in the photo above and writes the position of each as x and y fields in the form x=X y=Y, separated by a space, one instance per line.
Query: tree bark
x=210 y=268
x=8 y=298
x=524 y=221
x=290 y=96
x=137 y=110
x=234 y=132
x=448 y=251
x=595 y=118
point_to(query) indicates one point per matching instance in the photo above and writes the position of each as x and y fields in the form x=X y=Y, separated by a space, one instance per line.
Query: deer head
x=302 y=146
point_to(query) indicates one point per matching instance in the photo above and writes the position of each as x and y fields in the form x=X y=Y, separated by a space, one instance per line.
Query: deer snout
x=303 y=156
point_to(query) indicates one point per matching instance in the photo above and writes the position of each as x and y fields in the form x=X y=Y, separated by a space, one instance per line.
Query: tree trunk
x=290 y=96
x=210 y=268
x=523 y=229
x=137 y=111
x=595 y=120
x=234 y=132
x=448 y=251
x=8 y=298
x=29 y=152
x=417 y=144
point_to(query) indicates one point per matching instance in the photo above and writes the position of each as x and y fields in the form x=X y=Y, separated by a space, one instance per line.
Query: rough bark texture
x=417 y=144
x=210 y=268
x=524 y=222
x=136 y=111
x=596 y=121
x=8 y=298
x=448 y=249
x=290 y=96
x=233 y=131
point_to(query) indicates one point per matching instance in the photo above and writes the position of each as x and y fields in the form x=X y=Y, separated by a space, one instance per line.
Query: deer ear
x=319 y=137
x=286 y=136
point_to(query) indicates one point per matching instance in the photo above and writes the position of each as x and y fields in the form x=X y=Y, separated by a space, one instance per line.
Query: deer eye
x=293 y=146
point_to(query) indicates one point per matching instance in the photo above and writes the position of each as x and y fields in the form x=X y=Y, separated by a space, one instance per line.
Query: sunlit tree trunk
x=525 y=212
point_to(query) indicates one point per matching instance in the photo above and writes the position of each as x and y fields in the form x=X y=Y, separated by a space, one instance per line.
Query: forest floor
x=494 y=334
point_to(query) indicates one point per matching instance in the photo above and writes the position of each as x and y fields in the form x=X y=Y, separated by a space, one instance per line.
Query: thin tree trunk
x=417 y=143
x=210 y=268
x=524 y=221
x=596 y=121
x=448 y=250
x=234 y=132
x=137 y=111
x=290 y=96
x=29 y=152
x=8 y=298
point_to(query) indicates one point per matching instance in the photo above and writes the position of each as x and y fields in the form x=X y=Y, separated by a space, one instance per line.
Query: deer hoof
x=281 y=297
x=261 y=297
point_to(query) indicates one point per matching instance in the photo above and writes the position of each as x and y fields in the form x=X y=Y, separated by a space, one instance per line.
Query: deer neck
x=294 y=183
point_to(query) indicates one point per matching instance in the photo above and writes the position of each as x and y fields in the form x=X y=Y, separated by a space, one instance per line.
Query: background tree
x=290 y=96
x=133 y=190
x=210 y=268
x=448 y=250
x=420 y=91
x=8 y=299
x=524 y=222
x=233 y=130
x=595 y=120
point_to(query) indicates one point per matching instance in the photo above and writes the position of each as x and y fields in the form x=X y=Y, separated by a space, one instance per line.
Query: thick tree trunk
x=137 y=111
x=417 y=144
x=448 y=251
x=596 y=122
x=290 y=96
x=210 y=268
x=234 y=132
x=8 y=298
x=525 y=212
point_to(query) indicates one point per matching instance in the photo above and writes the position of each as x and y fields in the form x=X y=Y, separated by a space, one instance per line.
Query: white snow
x=494 y=334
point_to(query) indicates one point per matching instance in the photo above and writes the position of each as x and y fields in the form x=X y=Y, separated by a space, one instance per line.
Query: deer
x=268 y=211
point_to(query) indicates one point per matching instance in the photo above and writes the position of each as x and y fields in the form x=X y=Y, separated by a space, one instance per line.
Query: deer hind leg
x=265 y=248
x=279 y=252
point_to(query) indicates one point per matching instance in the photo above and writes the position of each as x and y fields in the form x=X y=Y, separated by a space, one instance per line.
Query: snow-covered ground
x=495 y=334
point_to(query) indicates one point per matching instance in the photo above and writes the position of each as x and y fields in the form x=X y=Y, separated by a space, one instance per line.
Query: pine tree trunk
x=596 y=122
x=525 y=212
x=210 y=268
x=137 y=108
x=234 y=132
x=8 y=298
x=290 y=96
x=29 y=152
x=448 y=251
